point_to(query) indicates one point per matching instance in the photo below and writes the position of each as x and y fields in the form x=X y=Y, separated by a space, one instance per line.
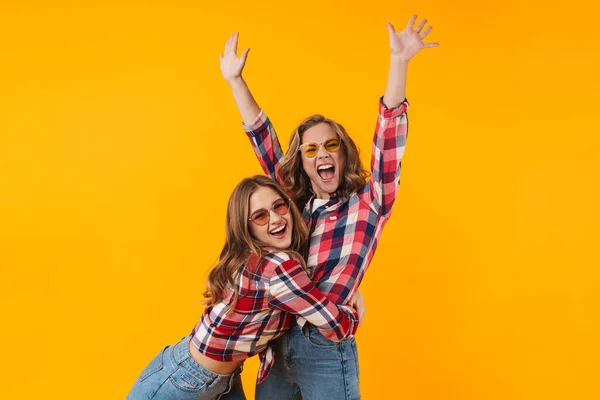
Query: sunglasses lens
x=281 y=207
x=260 y=217
x=310 y=149
x=332 y=144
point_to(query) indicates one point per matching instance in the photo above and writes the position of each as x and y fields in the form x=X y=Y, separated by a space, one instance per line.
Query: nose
x=275 y=219
x=322 y=153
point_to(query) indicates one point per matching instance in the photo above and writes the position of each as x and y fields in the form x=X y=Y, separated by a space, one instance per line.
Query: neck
x=321 y=195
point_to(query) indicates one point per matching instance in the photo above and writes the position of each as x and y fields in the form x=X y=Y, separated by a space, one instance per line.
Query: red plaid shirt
x=345 y=231
x=271 y=289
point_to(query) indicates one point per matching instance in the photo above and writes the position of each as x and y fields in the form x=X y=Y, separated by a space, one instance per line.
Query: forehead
x=263 y=197
x=318 y=133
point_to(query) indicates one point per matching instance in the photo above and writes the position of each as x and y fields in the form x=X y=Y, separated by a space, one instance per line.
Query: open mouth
x=279 y=232
x=326 y=172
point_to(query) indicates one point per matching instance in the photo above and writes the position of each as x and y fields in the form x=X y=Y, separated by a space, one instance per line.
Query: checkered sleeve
x=265 y=144
x=291 y=290
x=388 y=148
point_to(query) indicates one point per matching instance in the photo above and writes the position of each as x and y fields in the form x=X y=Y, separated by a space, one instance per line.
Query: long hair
x=296 y=182
x=239 y=242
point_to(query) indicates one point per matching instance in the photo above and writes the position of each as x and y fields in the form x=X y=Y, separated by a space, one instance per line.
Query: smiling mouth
x=326 y=172
x=279 y=232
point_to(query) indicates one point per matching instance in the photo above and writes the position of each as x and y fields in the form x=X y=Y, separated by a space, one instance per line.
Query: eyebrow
x=262 y=208
x=312 y=141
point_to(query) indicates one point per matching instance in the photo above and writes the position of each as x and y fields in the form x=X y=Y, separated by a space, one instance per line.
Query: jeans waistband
x=181 y=350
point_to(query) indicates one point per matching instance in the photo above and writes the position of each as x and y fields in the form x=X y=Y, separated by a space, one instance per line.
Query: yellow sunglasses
x=310 y=149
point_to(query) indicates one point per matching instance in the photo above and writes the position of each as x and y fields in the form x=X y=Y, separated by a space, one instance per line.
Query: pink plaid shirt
x=271 y=289
x=345 y=231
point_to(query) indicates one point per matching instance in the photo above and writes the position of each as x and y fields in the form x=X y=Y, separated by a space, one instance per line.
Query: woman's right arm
x=256 y=124
x=291 y=290
x=231 y=68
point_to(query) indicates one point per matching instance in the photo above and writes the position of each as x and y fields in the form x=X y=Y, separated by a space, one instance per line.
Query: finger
x=235 y=42
x=230 y=43
x=411 y=22
x=227 y=45
x=425 y=32
x=220 y=58
x=430 y=44
x=420 y=26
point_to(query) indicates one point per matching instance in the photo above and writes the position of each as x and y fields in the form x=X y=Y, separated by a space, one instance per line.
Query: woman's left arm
x=291 y=290
x=392 y=125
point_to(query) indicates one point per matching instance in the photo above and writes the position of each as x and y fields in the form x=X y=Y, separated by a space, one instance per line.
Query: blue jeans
x=174 y=374
x=310 y=367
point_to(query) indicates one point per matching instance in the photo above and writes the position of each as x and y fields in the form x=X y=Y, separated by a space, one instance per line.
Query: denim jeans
x=174 y=374
x=310 y=367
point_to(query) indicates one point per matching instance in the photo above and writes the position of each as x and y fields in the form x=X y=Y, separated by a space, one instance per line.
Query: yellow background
x=120 y=144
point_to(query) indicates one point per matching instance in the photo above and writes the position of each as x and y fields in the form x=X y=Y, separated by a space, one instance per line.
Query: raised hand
x=407 y=43
x=231 y=64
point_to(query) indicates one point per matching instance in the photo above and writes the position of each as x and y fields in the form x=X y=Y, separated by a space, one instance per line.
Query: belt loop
x=231 y=380
x=181 y=350
x=305 y=330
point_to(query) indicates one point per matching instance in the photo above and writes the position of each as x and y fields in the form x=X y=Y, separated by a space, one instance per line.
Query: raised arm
x=404 y=45
x=390 y=134
x=258 y=127
x=291 y=290
x=231 y=68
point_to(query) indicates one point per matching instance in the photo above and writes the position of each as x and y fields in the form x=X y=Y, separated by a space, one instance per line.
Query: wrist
x=236 y=81
x=398 y=59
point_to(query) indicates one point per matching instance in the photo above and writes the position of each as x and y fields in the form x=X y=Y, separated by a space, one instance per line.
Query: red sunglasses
x=263 y=216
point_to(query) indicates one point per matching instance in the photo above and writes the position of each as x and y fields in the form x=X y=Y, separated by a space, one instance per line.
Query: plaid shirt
x=345 y=231
x=271 y=289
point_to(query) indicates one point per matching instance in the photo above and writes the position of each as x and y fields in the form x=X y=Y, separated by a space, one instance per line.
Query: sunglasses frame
x=337 y=138
x=286 y=201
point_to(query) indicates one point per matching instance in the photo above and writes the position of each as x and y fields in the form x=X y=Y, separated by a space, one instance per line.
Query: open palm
x=231 y=64
x=407 y=43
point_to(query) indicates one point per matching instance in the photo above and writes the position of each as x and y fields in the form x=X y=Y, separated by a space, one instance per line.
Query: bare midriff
x=218 y=367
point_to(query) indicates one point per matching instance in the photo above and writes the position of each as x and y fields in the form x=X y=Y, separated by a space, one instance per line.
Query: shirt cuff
x=256 y=126
x=386 y=112
x=355 y=323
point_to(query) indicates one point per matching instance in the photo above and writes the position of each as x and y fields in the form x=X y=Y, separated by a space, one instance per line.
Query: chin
x=331 y=187
x=286 y=244
x=281 y=244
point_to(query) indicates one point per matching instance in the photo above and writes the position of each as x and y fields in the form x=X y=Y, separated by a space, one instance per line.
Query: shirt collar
x=333 y=199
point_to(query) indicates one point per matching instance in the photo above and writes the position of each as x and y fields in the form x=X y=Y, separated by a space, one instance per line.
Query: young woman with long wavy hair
x=258 y=284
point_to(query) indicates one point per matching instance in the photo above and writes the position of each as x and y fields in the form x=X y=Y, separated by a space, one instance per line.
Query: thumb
x=391 y=29
x=244 y=55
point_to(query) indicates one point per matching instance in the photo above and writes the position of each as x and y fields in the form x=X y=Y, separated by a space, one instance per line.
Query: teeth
x=322 y=167
x=277 y=230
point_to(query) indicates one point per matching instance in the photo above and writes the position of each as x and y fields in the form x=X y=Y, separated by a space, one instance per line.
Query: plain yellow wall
x=120 y=144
